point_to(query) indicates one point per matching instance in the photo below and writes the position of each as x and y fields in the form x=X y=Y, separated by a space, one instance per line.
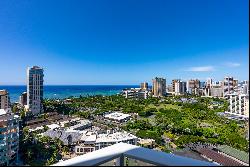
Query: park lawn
x=165 y=106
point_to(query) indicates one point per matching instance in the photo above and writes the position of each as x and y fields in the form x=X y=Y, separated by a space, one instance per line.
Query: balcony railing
x=119 y=151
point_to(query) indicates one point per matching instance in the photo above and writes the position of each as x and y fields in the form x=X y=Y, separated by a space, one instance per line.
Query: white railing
x=121 y=150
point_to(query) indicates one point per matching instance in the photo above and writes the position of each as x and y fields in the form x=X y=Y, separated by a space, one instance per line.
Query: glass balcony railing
x=122 y=154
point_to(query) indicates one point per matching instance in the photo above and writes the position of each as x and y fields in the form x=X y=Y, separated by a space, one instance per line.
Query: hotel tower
x=35 y=89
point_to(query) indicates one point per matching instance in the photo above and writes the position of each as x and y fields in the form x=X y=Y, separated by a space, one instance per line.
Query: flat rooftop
x=115 y=137
x=117 y=116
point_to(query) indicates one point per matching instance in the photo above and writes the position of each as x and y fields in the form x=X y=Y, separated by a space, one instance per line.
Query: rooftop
x=219 y=158
x=117 y=116
x=36 y=67
x=64 y=135
x=3 y=92
x=114 y=137
x=240 y=155
x=5 y=111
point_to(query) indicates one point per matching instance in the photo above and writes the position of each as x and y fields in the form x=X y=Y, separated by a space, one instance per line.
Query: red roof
x=219 y=158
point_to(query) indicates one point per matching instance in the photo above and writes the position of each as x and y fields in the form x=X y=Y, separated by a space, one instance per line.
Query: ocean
x=64 y=91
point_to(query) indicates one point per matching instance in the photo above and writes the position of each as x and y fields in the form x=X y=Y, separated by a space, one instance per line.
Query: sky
x=109 y=42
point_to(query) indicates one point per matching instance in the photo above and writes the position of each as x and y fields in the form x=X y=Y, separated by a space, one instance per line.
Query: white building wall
x=238 y=104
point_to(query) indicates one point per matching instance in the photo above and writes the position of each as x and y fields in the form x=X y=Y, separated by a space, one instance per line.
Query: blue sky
x=123 y=42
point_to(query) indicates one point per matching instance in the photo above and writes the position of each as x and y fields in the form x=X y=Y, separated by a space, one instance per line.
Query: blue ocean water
x=64 y=91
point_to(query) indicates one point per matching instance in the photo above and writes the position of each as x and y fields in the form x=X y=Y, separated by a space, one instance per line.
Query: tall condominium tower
x=4 y=99
x=180 y=87
x=159 y=87
x=144 y=85
x=209 y=83
x=193 y=85
x=173 y=83
x=228 y=87
x=9 y=137
x=235 y=82
x=35 y=89
x=23 y=99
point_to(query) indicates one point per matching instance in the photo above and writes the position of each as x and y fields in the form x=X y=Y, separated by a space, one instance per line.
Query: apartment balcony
x=118 y=153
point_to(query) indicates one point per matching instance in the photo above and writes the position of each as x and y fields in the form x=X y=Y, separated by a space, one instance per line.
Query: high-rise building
x=245 y=89
x=209 y=83
x=4 y=99
x=235 y=83
x=180 y=87
x=228 y=86
x=193 y=86
x=9 y=137
x=173 y=84
x=216 y=91
x=35 y=89
x=159 y=87
x=144 y=86
x=238 y=104
x=170 y=88
x=23 y=99
x=202 y=84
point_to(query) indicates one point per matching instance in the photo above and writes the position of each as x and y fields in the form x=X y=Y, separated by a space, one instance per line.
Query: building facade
x=245 y=89
x=238 y=104
x=216 y=91
x=136 y=93
x=35 y=90
x=4 y=99
x=144 y=86
x=9 y=137
x=193 y=86
x=180 y=87
x=23 y=99
x=91 y=141
x=159 y=87
x=235 y=83
x=173 y=84
x=209 y=83
x=228 y=87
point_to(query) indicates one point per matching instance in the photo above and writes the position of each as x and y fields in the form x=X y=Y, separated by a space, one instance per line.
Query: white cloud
x=231 y=64
x=201 y=69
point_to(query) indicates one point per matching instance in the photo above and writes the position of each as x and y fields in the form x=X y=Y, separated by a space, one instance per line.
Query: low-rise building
x=117 y=117
x=84 y=141
x=237 y=155
x=149 y=143
x=81 y=124
x=136 y=93
x=91 y=141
